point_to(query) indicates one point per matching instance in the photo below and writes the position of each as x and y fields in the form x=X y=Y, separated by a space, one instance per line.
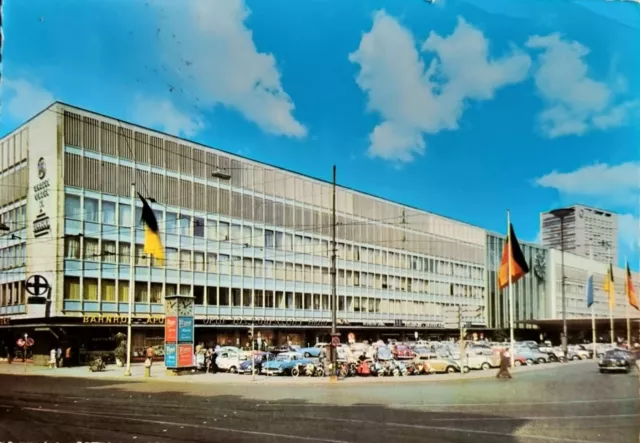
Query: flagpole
x=509 y=254
x=626 y=283
x=611 y=289
x=132 y=285
x=593 y=311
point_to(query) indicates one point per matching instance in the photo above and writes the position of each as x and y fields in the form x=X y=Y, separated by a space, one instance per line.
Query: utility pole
x=334 y=298
x=132 y=277
x=562 y=213
x=462 y=335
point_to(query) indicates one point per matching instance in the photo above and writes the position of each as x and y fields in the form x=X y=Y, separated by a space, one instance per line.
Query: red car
x=403 y=352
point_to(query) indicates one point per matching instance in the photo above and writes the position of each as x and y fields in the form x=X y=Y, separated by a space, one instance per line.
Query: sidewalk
x=158 y=373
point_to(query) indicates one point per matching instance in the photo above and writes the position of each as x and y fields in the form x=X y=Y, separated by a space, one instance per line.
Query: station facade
x=250 y=242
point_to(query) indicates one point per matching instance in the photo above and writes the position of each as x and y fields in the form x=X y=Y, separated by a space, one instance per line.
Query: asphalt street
x=572 y=403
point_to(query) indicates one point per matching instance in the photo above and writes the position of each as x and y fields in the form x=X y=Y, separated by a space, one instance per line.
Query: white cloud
x=413 y=101
x=23 y=99
x=597 y=181
x=218 y=62
x=162 y=114
x=629 y=232
x=575 y=102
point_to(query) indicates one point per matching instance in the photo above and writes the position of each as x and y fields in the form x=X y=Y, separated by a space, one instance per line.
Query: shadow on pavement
x=38 y=409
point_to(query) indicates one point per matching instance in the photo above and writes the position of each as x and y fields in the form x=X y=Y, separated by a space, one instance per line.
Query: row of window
x=12 y=294
x=270 y=269
x=15 y=219
x=13 y=256
x=235 y=297
x=199 y=227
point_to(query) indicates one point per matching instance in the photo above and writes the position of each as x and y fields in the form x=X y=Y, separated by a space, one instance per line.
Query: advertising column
x=179 y=333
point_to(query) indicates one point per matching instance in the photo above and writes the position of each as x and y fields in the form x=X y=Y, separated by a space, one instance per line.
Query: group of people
x=210 y=356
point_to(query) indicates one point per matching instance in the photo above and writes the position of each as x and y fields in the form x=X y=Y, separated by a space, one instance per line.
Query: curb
x=290 y=381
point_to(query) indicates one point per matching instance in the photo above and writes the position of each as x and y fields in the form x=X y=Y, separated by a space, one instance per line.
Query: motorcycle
x=394 y=369
x=363 y=369
x=312 y=370
x=378 y=369
x=402 y=369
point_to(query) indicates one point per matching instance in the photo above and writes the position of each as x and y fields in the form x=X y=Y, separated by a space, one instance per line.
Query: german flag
x=152 y=242
x=609 y=286
x=513 y=253
x=630 y=290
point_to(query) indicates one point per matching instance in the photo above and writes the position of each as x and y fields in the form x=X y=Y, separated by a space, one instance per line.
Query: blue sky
x=463 y=107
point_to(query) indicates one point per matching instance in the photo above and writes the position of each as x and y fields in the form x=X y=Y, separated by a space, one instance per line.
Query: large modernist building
x=588 y=232
x=250 y=242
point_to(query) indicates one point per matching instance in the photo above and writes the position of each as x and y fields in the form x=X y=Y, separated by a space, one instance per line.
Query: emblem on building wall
x=42 y=168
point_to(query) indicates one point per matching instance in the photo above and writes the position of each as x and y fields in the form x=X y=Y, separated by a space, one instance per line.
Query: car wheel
x=485 y=366
x=541 y=360
x=465 y=369
x=295 y=372
x=517 y=363
x=307 y=355
x=602 y=371
x=575 y=357
x=233 y=369
x=451 y=369
x=320 y=372
x=529 y=362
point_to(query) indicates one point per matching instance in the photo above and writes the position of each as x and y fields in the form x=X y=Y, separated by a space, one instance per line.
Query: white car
x=230 y=361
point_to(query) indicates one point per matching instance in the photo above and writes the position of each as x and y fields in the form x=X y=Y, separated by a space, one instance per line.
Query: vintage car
x=284 y=363
x=314 y=351
x=260 y=359
x=481 y=359
x=532 y=356
x=438 y=363
x=402 y=352
x=230 y=361
x=615 y=360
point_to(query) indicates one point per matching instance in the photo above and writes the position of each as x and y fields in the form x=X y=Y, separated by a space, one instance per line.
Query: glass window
x=72 y=247
x=109 y=254
x=91 y=211
x=258 y=237
x=172 y=260
x=279 y=240
x=185 y=225
x=124 y=214
x=212 y=229
x=198 y=227
x=137 y=218
x=212 y=262
x=171 y=223
x=288 y=242
x=91 y=250
x=108 y=213
x=71 y=207
x=268 y=238
x=246 y=235
x=198 y=261
x=223 y=231
x=223 y=263
x=185 y=260
x=235 y=234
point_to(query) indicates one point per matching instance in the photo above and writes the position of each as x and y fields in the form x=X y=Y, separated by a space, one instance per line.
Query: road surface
x=571 y=404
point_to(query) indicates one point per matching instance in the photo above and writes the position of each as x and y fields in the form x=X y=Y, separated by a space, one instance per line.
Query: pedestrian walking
x=52 y=358
x=505 y=362
x=59 y=357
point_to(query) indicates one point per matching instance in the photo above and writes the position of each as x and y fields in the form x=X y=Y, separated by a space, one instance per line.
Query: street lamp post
x=562 y=213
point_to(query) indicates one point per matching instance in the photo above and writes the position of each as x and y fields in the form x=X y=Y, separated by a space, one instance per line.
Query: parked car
x=403 y=352
x=482 y=360
x=313 y=351
x=230 y=361
x=578 y=353
x=438 y=363
x=532 y=356
x=260 y=359
x=614 y=360
x=284 y=363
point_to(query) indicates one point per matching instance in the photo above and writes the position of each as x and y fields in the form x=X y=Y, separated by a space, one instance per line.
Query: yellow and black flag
x=513 y=253
x=609 y=287
x=152 y=241
x=630 y=290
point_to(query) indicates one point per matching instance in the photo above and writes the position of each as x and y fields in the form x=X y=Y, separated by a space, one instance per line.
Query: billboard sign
x=171 y=329
x=185 y=330
x=170 y=355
